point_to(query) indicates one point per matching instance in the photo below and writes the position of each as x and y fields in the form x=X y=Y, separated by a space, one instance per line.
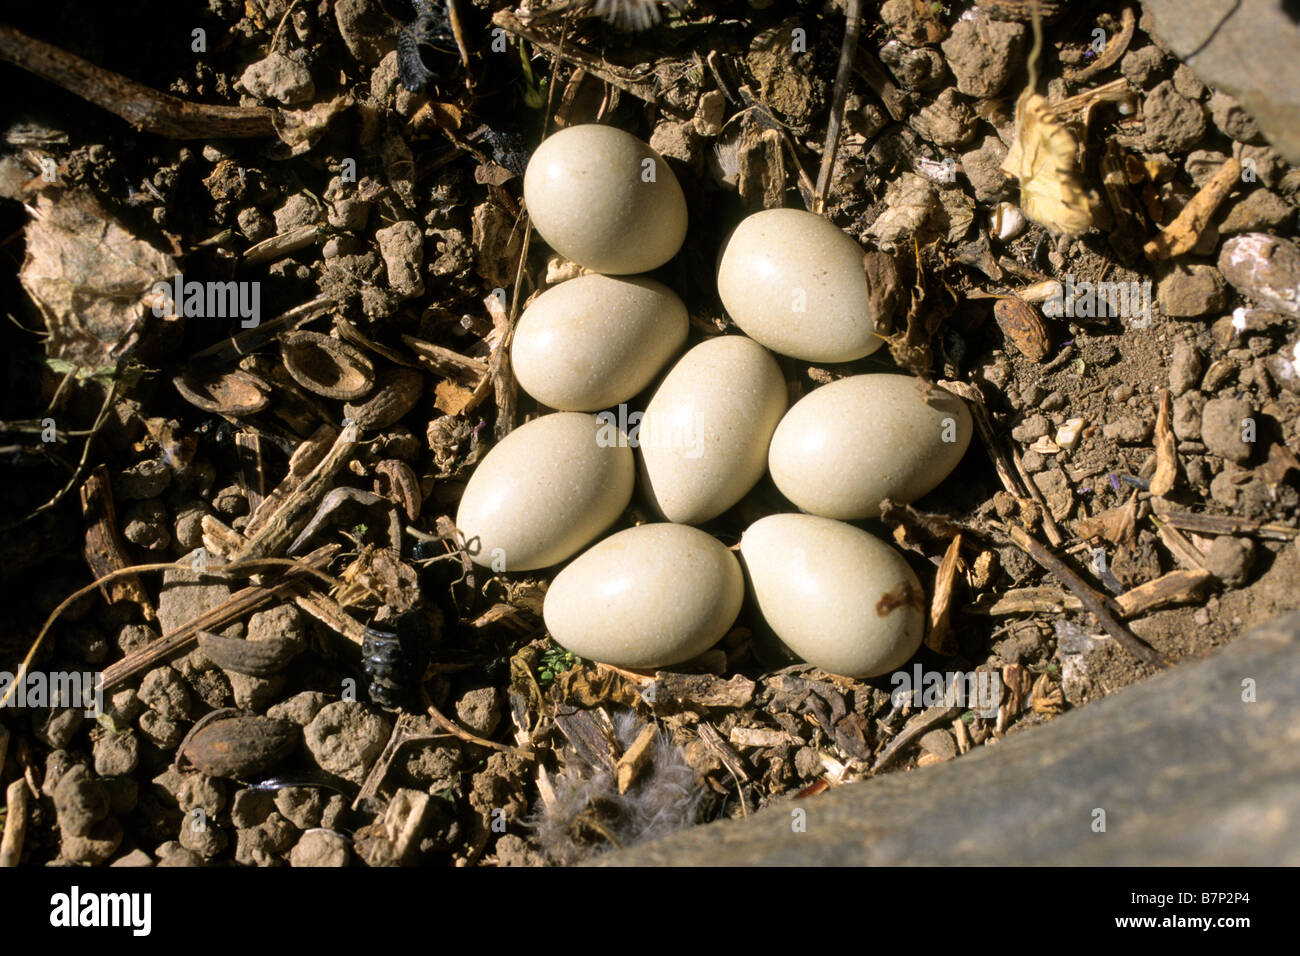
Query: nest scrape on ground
x=245 y=521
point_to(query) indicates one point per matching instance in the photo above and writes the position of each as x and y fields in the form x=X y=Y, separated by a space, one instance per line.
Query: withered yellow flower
x=1044 y=158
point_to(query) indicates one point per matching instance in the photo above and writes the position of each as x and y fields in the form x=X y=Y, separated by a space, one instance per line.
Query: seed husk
x=326 y=365
x=256 y=658
x=1020 y=323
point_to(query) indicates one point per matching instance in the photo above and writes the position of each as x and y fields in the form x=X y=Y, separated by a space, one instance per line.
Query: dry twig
x=144 y=108
x=1103 y=608
x=11 y=845
x=852 y=24
x=1184 y=232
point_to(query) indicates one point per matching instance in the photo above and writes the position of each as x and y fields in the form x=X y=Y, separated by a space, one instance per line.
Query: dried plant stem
x=915 y=728
x=11 y=845
x=144 y=108
x=284 y=524
x=104 y=550
x=1102 y=607
x=451 y=727
x=458 y=31
x=1185 y=231
x=311 y=564
x=852 y=24
x=110 y=394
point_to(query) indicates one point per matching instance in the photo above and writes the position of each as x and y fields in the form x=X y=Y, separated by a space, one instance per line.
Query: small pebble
x=1224 y=422
x=1229 y=559
x=1184 y=368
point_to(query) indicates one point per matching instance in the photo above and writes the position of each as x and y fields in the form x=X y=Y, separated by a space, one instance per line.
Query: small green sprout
x=533 y=88
x=555 y=661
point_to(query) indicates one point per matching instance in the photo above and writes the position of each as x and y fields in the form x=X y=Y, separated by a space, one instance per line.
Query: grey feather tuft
x=589 y=812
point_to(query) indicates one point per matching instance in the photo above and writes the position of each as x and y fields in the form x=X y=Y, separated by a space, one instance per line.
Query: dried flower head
x=1044 y=158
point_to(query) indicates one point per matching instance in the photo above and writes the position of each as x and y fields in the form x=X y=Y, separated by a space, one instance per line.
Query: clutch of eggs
x=659 y=594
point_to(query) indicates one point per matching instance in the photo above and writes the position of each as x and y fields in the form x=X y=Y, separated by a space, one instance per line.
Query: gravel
x=1223 y=422
x=345 y=737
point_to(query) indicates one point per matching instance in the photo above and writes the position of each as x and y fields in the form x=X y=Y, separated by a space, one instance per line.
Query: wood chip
x=1176 y=587
x=1044 y=600
x=1184 y=232
x=757 y=737
x=703 y=690
x=635 y=758
x=307 y=456
x=446 y=361
x=722 y=750
x=941 y=603
x=1184 y=552
x=104 y=550
x=1116 y=524
x=1162 y=482
x=11 y=844
x=279 y=246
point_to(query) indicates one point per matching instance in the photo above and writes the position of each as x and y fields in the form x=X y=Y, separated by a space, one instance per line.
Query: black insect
x=509 y=149
x=429 y=26
x=394 y=660
x=216 y=430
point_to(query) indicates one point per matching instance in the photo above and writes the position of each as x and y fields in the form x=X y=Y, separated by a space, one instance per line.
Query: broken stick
x=1102 y=607
x=144 y=108
x=104 y=550
x=1184 y=232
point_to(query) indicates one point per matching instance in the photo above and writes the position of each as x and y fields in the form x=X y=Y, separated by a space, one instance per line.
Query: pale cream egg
x=835 y=595
x=595 y=341
x=845 y=447
x=703 y=440
x=795 y=283
x=605 y=199
x=545 y=492
x=650 y=596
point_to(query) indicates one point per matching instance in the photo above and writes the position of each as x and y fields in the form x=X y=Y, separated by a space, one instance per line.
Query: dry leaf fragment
x=451 y=398
x=301 y=129
x=941 y=603
x=1116 y=524
x=1044 y=158
x=1046 y=696
x=91 y=279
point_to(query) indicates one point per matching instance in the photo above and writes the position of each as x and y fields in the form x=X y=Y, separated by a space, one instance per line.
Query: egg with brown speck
x=837 y=596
